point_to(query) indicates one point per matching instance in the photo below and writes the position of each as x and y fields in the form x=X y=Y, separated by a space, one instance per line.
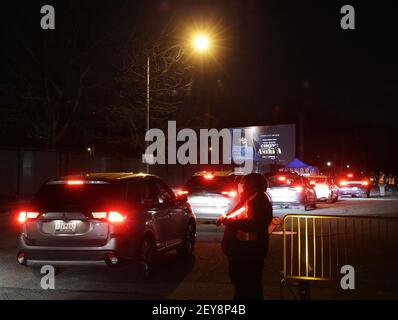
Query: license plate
x=65 y=227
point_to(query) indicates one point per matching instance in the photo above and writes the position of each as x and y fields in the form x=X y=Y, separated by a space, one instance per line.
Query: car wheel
x=146 y=257
x=188 y=245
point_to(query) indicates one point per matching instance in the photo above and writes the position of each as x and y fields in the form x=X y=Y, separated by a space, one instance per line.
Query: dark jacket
x=258 y=219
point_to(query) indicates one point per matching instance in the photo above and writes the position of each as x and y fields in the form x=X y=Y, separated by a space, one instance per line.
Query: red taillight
x=100 y=215
x=208 y=176
x=312 y=182
x=343 y=183
x=111 y=216
x=27 y=215
x=114 y=216
x=181 y=192
x=231 y=194
x=365 y=183
x=75 y=182
x=282 y=178
x=350 y=175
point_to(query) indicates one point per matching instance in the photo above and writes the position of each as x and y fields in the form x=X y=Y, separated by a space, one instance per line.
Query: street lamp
x=201 y=44
x=329 y=164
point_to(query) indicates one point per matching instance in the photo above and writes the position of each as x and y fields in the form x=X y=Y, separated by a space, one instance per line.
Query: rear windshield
x=284 y=181
x=215 y=183
x=63 y=195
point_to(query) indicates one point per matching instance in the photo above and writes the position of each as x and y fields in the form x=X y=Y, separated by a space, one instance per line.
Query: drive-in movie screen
x=198 y=158
x=265 y=144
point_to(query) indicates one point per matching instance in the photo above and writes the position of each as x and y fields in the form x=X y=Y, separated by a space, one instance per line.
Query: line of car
x=112 y=219
x=213 y=193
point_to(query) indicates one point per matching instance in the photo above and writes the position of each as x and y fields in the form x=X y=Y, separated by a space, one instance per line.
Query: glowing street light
x=329 y=164
x=201 y=43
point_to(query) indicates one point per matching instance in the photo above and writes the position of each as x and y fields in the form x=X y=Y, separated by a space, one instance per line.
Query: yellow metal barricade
x=315 y=247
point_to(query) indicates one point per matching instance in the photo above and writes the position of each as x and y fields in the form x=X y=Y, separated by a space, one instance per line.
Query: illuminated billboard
x=266 y=144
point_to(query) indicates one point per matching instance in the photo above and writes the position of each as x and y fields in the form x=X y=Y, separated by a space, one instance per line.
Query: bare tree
x=54 y=77
x=170 y=81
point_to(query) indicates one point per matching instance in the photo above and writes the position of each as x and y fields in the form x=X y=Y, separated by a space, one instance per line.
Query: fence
x=315 y=247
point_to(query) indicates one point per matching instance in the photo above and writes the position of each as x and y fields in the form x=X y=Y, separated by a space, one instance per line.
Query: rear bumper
x=36 y=256
x=66 y=263
x=353 y=192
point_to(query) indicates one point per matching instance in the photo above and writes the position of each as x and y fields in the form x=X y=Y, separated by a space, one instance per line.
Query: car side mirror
x=181 y=198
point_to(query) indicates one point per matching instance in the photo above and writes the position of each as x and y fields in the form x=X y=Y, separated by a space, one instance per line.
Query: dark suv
x=104 y=219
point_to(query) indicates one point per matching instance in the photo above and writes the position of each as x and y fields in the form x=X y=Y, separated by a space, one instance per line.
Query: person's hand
x=220 y=221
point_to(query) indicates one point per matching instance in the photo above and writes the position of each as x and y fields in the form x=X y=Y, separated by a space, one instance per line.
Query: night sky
x=276 y=62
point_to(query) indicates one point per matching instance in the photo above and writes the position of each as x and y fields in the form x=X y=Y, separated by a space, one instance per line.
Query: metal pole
x=147 y=109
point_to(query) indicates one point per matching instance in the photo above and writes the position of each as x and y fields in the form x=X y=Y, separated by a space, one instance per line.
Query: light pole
x=201 y=44
x=147 y=108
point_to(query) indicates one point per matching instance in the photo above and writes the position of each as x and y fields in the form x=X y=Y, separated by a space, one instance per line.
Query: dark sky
x=277 y=62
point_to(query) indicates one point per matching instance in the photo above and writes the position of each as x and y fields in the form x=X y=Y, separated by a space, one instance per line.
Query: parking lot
x=204 y=276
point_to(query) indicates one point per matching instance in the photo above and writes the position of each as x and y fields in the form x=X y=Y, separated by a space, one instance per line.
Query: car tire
x=146 y=257
x=188 y=246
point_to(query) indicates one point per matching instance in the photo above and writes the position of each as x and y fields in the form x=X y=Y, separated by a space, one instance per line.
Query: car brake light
x=181 y=192
x=111 y=216
x=343 y=183
x=231 y=193
x=350 y=175
x=114 y=216
x=282 y=178
x=208 y=176
x=75 y=182
x=100 y=215
x=312 y=182
x=27 y=215
x=365 y=183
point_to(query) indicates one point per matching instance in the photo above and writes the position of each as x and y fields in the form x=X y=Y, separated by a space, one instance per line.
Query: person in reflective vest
x=246 y=238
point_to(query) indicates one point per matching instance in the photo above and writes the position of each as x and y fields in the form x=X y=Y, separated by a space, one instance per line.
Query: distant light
x=348 y=166
x=88 y=149
x=329 y=164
